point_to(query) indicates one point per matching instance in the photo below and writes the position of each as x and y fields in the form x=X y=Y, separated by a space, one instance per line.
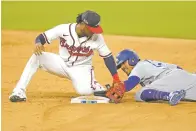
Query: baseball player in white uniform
x=160 y=81
x=77 y=43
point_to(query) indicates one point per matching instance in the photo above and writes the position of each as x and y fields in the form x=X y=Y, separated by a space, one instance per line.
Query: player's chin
x=126 y=71
x=89 y=34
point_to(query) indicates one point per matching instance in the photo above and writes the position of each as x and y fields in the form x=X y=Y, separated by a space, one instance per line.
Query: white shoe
x=176 y=96
x=18 y=96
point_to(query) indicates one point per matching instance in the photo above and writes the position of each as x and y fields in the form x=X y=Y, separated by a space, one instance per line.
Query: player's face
x=126 y=67
x=86 y=31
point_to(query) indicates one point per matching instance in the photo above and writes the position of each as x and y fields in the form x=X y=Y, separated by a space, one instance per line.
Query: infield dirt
x=48 y=105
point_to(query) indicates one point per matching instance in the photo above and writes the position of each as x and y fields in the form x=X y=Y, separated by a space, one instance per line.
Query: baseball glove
x=116 y=92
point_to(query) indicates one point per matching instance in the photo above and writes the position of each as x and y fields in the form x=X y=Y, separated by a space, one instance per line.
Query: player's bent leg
x=177 y=80
x=138 y=95
x=18 y=93
x=53 y=64
x=82 y=77
x=49 y=62
x=147 y=94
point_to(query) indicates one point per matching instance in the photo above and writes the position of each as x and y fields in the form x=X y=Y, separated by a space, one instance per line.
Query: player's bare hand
x=39 y=48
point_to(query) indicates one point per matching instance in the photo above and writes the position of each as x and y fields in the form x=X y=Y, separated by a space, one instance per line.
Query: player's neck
x=78 y=31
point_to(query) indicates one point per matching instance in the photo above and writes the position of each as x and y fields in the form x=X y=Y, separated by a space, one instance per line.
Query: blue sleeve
x=111 y=65
x=131 y=82
x=40 y=39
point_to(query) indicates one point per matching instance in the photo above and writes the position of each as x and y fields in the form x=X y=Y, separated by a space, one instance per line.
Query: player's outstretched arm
x=116 y=92
x=132 y=82
x=111 y=65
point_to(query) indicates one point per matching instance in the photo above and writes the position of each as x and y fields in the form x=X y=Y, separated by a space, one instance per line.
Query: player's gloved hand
x=116 y=92
x=39 y=48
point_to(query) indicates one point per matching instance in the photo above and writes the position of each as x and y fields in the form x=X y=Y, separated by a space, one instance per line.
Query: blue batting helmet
x=125 y=55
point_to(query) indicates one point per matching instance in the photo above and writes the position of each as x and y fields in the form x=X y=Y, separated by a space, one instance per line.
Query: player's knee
x=33 y=59
x=146 y=95
x=38 y=59
x=33 y=56
x=138 y=95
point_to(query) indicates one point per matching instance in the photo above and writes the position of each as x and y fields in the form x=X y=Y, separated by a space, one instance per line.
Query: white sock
x=29 y=70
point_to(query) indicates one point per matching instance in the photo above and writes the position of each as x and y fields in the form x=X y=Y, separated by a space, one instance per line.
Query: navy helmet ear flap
x=132 y=61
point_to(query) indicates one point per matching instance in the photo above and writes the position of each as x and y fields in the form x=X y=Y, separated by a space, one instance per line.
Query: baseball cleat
x=176 y=96
x=18 y=96
x=100 y=93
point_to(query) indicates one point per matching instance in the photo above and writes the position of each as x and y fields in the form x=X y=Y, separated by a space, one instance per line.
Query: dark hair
x=79 y=18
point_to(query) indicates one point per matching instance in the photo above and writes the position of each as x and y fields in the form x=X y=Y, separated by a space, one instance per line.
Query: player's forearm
x=131 y=83
x=41 y=38
x=111 y=65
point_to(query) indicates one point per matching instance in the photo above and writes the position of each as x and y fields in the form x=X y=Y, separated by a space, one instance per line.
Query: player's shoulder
x=142 y=63
x=138 y=69
x=64 y=26
x=147 y=61
x=97 y=37
x=139 y=66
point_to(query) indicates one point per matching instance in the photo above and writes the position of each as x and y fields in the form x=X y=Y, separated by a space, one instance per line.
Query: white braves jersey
x=150 y=70
x=75 y=50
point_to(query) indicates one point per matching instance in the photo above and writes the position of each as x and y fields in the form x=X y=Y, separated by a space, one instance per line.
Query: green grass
x=160 y=19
